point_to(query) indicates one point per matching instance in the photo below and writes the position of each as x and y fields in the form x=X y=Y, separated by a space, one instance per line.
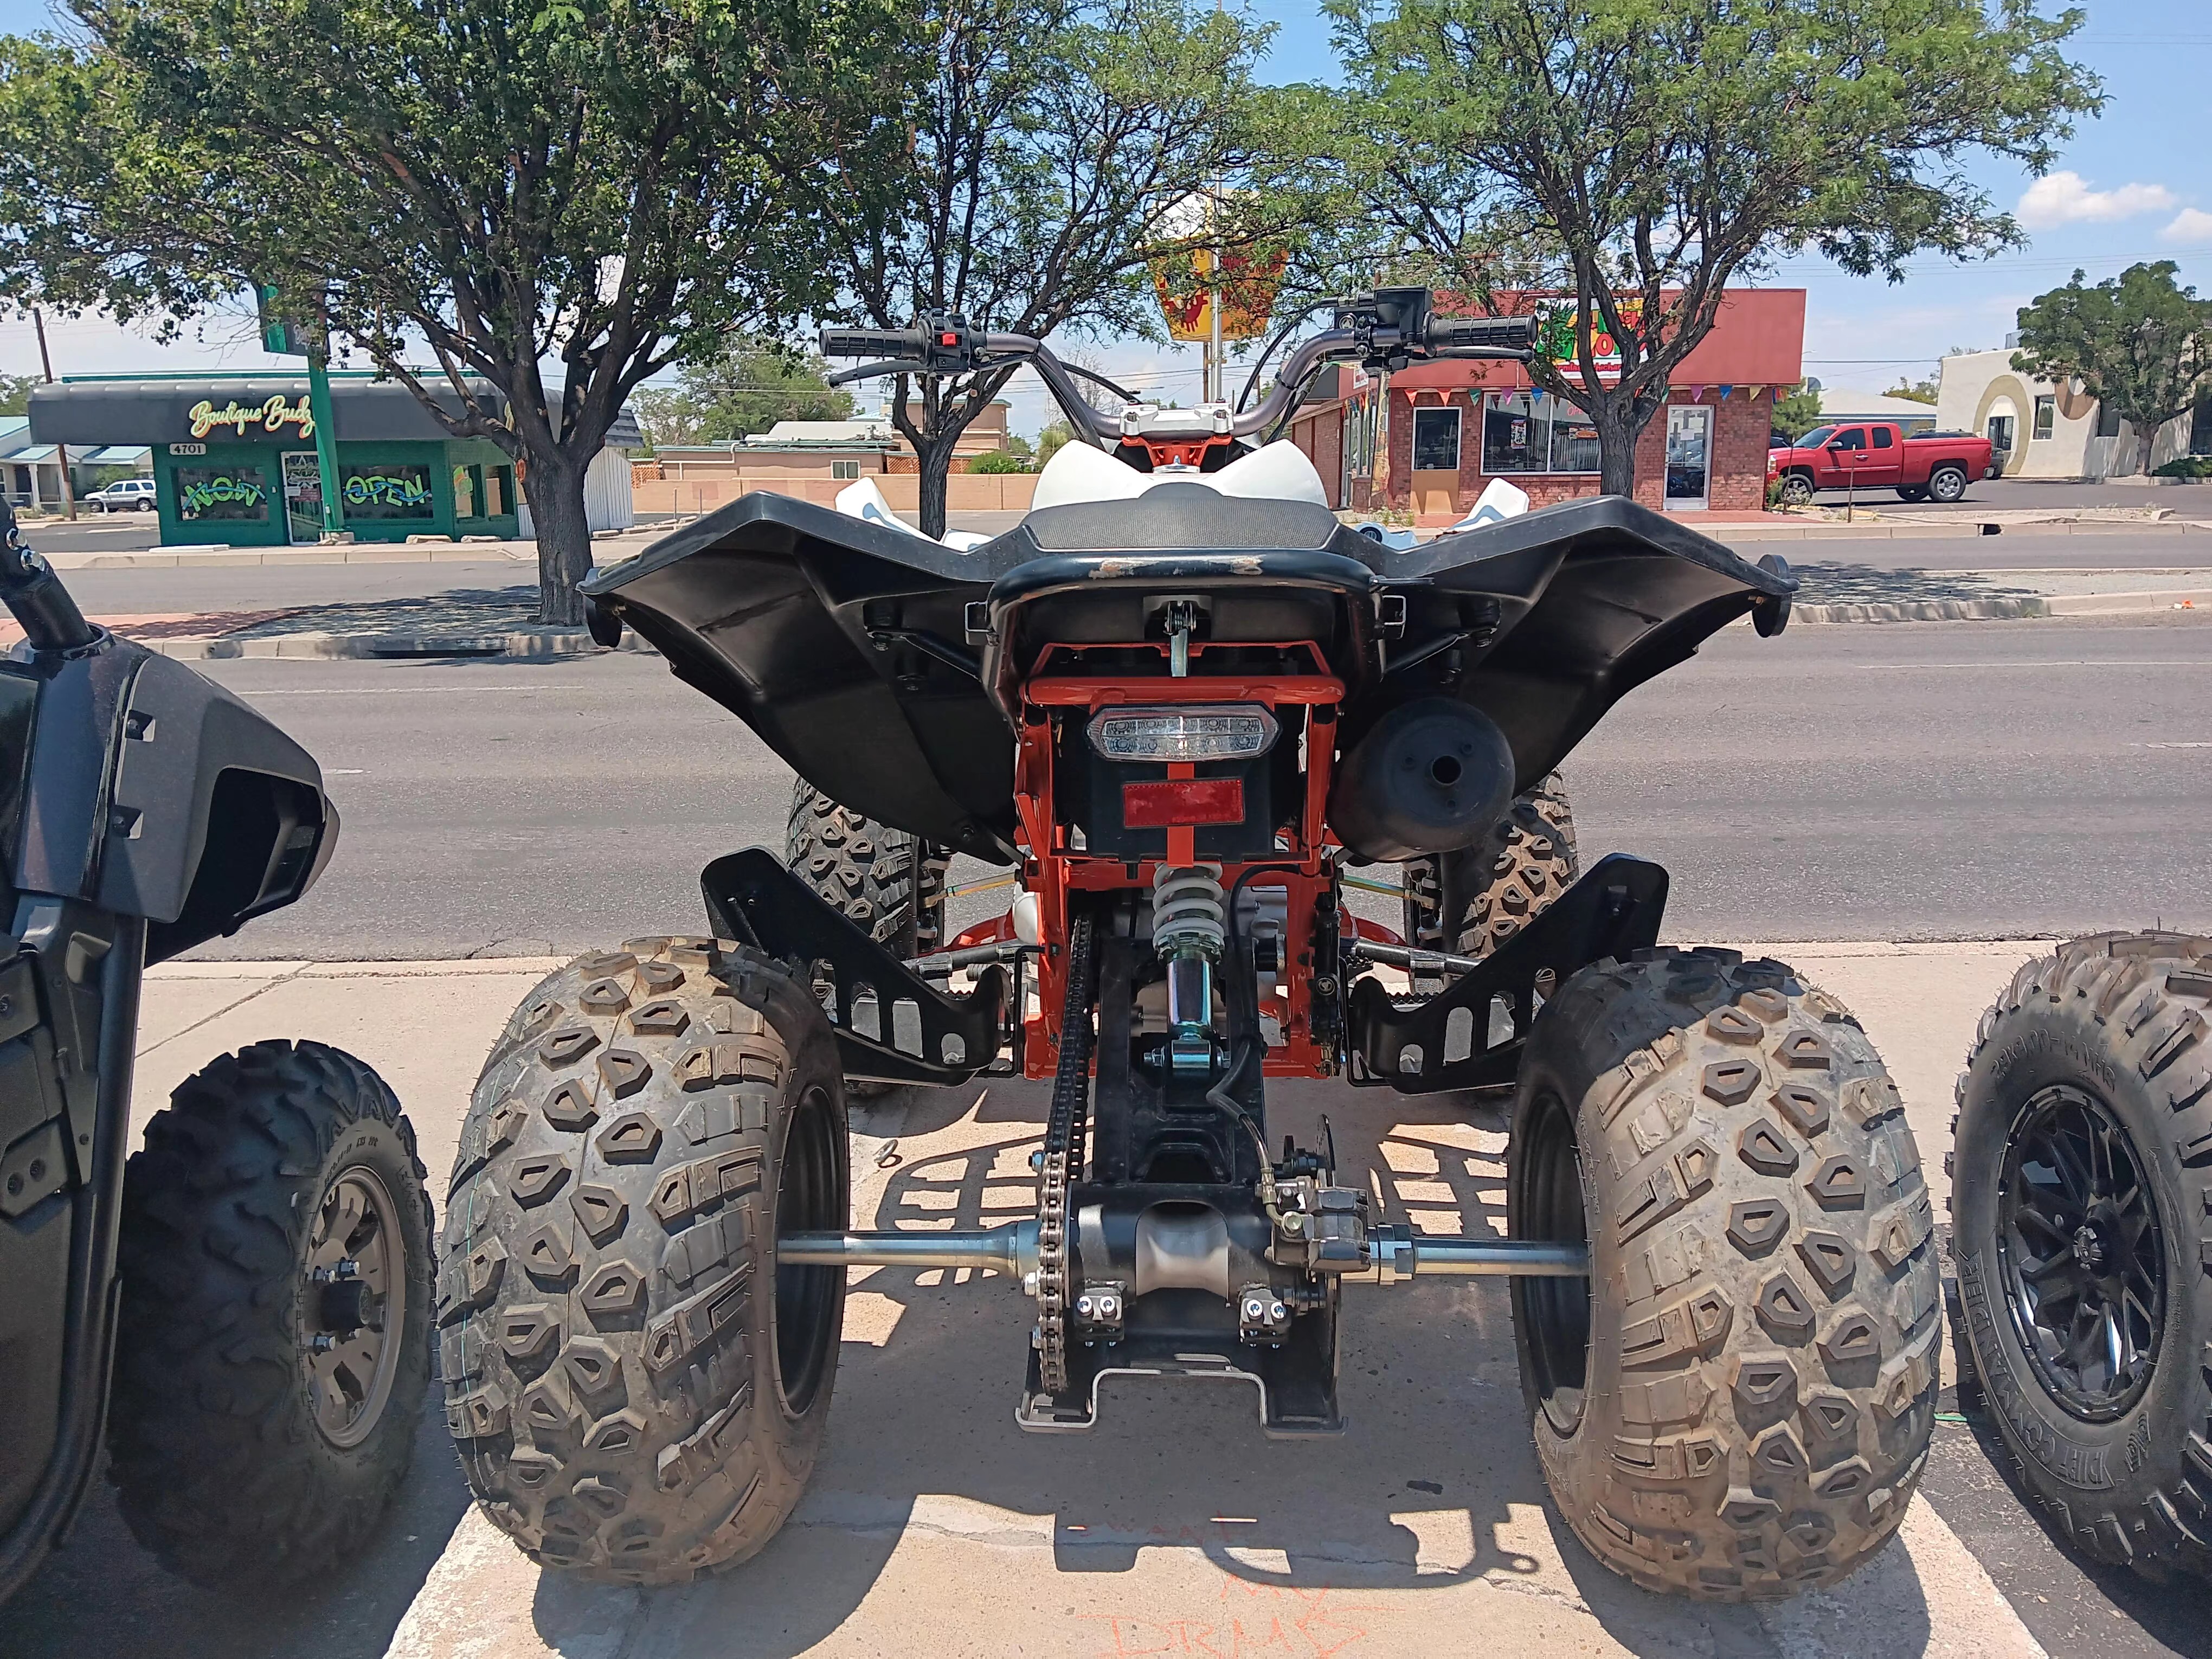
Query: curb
x=526 y=642
x=542 y=642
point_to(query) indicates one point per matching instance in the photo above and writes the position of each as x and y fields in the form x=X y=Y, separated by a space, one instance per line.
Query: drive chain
x=1063 y=1151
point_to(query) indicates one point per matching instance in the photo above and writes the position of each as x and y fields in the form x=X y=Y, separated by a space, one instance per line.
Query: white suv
x=125 y=496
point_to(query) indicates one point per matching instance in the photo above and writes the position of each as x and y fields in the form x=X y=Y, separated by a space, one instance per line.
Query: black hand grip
x=1491 y=333
x=874 y=343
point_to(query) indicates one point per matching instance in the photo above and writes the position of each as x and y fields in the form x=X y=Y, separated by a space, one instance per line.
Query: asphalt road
x=1912 y=782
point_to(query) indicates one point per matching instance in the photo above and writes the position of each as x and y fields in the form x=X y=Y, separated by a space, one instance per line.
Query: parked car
x=125 y=496
x=1878 y=455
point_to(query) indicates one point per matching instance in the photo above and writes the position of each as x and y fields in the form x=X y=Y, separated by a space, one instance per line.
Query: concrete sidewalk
x=933 y=1526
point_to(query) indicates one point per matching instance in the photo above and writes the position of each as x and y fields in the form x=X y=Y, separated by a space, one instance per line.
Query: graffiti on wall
x=385 y=489
x=219 y=495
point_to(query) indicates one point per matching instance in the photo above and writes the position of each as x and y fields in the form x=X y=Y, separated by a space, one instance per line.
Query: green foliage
x=2139 y=343
x=1000 y=460
x=2186 y=467
x=1057 y=146
x=608 y=185
x=1796 y=414
x=752 y=382
x=1639 y=156
x=1049 y=442
x=1922 y=391
x=16 y=393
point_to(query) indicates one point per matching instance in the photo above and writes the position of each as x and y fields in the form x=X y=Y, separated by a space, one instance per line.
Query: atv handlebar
x=48 y=617
x=1387 y=329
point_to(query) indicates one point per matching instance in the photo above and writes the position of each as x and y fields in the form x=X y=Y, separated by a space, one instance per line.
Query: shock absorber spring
x=1189 y=928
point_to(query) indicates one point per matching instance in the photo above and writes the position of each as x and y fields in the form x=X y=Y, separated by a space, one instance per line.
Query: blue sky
x=2129 y=185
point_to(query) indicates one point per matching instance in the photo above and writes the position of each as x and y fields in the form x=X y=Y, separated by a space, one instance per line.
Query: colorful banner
x=1556 y=339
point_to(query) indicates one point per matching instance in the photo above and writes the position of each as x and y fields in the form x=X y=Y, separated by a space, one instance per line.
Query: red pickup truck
x=1866 y=455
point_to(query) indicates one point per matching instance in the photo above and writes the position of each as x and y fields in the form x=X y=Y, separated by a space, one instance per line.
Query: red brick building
x=1451 y=428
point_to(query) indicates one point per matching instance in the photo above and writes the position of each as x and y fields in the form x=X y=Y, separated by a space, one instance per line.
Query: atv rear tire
x=1468 y=904
x=244 y=1450
x=2063 y=1248
x=891 y=882
x=1737 y=1404
x=639 y=1392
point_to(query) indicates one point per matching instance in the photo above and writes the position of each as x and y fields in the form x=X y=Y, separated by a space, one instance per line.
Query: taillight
x=1200 y=733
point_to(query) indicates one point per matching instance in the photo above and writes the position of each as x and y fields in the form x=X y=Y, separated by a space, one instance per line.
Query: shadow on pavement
x=1433 y=1488
x=103 y=1594
x=1865 y=584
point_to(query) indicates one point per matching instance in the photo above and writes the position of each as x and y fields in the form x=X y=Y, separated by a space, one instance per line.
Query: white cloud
x=2065 y=198
x=2189 y=225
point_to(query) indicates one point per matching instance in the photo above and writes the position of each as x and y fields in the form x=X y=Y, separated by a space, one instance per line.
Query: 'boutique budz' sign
x=274 y=416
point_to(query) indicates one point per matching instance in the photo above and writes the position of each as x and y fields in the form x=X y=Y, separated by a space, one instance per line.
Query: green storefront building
x=235 y=456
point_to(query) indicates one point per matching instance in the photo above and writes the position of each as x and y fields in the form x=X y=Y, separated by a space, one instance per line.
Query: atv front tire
x=2079 y=1232
x=638 y=1390
x=1736 y=1405
x=1469 y=902
x=274 y=1346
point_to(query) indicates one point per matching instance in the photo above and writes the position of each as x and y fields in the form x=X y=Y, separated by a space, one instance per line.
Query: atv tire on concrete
x=638 y=1390
x=1468 y=904
x=274 y=1347
x=2079 y=1230
x=891 y=882
x=1737 y=1404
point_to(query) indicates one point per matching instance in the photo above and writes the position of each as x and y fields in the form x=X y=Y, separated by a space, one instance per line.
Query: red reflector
x=1182 y=801
x=948 y=339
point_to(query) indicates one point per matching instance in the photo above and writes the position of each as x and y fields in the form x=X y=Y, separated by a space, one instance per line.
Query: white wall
x=607 y=504
x=1975 y=384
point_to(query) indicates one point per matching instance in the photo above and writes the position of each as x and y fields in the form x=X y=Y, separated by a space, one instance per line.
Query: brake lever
x=868 y=371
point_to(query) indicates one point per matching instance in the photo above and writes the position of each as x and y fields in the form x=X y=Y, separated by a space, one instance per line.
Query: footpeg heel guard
x=1454 y=1039
x=892 y=1025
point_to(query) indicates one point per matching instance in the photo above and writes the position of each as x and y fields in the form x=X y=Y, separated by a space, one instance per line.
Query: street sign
x=279 y=338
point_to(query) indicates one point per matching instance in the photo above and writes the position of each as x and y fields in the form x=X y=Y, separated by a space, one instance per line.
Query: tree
x=505 y=183
x=1922 y=391
x=2140 y=344
x=16 y=393
x=1055 y=435
x=1797 y=414
x=752 y=382
x=1054 y=143
x=1637 y=156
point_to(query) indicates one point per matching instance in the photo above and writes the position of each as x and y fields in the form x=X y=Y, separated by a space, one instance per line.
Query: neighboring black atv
x=2082 y=1229
x=257 y=1282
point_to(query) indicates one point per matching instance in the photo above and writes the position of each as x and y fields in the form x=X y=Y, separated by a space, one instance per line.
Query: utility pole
x=61 y=451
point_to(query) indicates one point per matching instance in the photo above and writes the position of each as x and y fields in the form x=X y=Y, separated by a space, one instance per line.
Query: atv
x=2078 y=1222
x=1181 y=702
x=243 y=1307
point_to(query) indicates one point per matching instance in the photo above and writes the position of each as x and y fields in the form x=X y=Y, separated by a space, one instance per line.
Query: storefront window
x=1523 y=434
x=224 y=494
x=2046 y=416
x=1435 y=441
x=391 y=490
x=468 y=491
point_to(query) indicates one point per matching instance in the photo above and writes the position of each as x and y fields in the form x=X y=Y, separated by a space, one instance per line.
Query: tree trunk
x=1616 y=445
x=554 y=489
x=2146 y=437
x=935 y=457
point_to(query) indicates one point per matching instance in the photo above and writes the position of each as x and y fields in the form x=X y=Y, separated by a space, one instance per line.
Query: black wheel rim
x=1554 y=1314
x=2081 y=1254
x=809 y=1198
